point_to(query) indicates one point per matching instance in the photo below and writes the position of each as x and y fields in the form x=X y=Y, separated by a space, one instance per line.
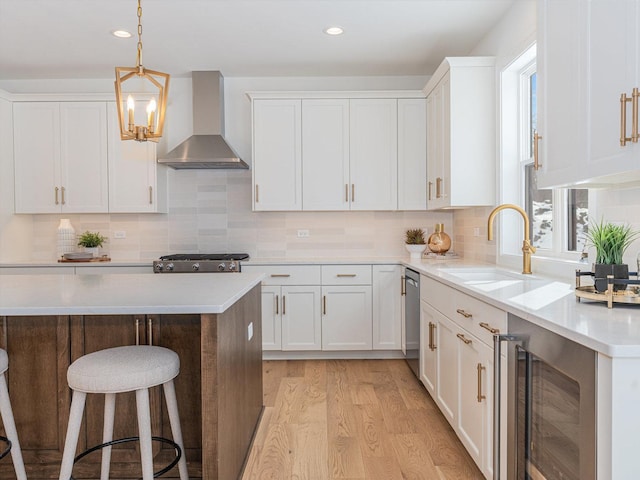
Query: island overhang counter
x=212 y=321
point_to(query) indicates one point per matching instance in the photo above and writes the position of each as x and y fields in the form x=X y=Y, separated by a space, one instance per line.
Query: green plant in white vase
x=415 y=242
x=91 y=241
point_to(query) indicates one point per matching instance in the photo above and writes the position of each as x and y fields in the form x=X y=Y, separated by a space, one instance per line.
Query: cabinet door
x=387 y=298
x=277 y=155
x=373 y=155
x=436 y=144
x=271 y=318
x=346 y=318
x=136 y=182
x=412 y=154
x=301 y=327
x=38 y=350
x=475 y=366
x=325 y=155
x=83 y=148
x=36 y=143
x=447 y=368
x=428 y=347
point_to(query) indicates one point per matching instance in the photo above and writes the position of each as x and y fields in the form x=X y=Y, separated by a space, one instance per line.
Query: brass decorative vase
x=439 y=242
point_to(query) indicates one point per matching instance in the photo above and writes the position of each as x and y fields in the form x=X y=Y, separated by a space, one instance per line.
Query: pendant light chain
x=139 y=61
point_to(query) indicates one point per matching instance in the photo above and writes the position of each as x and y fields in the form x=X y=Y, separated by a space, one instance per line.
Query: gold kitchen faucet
x=527 y=248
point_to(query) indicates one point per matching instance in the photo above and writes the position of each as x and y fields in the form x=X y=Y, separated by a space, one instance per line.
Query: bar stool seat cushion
x=123 y=369
x=4 y=361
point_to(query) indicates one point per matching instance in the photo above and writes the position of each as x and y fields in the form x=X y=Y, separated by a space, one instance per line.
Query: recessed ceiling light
x=121 y=33
x=334 y=31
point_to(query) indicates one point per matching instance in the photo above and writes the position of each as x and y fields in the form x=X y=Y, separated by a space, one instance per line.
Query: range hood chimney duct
x=206 y=148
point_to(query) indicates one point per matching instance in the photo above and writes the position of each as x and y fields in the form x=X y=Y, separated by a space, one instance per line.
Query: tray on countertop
x=630 y=295
x=103 y=258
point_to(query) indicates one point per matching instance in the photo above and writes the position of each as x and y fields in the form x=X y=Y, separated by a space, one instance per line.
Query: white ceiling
x=71 y=38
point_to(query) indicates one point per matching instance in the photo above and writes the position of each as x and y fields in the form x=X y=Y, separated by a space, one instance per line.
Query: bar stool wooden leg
x=144 y=432
x=73 y=431
x=10 y=429
x=107 y=433
x=174 y=420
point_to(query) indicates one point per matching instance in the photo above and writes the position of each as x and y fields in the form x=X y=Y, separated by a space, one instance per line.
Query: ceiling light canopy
x=334 y=30
x=147 y=84
x=121 y=33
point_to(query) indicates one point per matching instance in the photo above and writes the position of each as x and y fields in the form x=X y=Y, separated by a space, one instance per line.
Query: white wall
x=210 y=210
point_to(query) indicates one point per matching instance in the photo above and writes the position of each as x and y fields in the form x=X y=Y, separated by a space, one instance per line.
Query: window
x=558 y=218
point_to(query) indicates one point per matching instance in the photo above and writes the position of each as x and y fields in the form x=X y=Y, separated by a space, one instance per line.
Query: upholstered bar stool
x=118 y=370
x=7 y=420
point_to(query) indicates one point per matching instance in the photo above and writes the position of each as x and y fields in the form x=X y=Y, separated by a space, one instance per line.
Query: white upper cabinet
x=588 y=56
x=60 y=155
x=137 y=184
x=373 y=164
x=339 y=151
x=325 y=154
x=412 y=154
x=277 y=155
x=461 y=135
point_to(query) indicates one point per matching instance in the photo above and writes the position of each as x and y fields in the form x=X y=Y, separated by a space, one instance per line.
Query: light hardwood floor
x=352 y=420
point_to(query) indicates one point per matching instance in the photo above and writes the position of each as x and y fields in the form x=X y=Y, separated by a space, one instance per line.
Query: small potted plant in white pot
x=415 y=243
x=610 y=241
x=91 y=241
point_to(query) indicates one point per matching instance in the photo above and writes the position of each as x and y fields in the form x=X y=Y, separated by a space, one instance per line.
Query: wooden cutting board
x=85 y=260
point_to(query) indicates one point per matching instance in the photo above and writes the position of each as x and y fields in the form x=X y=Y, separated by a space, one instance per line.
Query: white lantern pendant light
x=147 y=84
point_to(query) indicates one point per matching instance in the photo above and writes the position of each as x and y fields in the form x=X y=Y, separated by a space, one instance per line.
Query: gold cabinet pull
x=276 y=275
x=432 y=340
x=353 y=192
x=429 y=185
x=257 y=198
x=480 y=395
x=343 y=275
x=150 y=195
x=463 y=338
x=536 y=150
x=62 y=190
x=634 y=115
x=56 y=190
x=137 y=331
x=346 y=192
x=150 y=331
x=324 y=304
x=403 y=290
x=623 y=119
x=486 y=326
x=277 y=300
x=438 y=187
x=463 y=313
x=284 y=305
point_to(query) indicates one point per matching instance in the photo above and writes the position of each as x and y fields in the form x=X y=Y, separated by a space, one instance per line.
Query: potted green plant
x=91 y=241
x=414 y=242
x=610 y=241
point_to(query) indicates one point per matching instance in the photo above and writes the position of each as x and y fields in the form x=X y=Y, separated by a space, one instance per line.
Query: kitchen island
x=211 y=320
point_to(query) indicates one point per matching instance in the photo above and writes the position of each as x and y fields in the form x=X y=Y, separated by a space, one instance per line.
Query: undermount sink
x=483 y=275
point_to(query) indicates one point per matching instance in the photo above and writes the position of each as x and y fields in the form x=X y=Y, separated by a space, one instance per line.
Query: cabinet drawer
x=346 y=274
x=479 y=318
x=436 y=294
x=286 y=274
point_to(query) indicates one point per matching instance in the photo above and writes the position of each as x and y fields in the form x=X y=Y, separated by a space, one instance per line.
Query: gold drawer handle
x=463 y=313
x=343 y=275
x=432 y=342
x=536 y=154
x=463 y=338
x=278 y=275
x=480 y=395
x=486 y=326
x=277 y=300
x=324 y=304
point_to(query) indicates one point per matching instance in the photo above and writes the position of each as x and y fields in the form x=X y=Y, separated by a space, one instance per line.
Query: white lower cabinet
x=301 y=328
x=456 y=365
x=387 y=307
x=271 y=318
x=346 y=317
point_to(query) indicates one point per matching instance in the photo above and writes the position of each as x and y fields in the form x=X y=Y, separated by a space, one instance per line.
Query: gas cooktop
x=199 y=263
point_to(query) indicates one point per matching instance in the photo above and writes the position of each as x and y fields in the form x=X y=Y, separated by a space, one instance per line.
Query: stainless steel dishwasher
x=412 y=319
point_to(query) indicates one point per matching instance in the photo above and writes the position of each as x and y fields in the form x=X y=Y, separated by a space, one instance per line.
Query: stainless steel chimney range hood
x=206 y=148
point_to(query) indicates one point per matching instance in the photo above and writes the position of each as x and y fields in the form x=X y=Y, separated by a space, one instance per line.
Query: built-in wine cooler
x=551 y=410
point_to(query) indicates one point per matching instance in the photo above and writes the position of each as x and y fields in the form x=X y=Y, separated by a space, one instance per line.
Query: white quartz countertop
x=547 y=302
x=123 y=293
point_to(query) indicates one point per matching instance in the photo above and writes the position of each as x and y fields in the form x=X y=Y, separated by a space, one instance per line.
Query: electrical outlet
x=476 y=231
x=119 y=234
x=250 y=331
x=303 y=233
